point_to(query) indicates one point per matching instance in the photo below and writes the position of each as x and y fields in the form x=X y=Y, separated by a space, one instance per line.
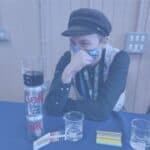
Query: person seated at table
x=91 y=76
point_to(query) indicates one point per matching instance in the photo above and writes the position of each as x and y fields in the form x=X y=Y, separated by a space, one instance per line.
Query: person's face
x=87 y=42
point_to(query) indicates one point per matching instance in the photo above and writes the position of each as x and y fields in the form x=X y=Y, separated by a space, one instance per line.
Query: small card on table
x=109 y=138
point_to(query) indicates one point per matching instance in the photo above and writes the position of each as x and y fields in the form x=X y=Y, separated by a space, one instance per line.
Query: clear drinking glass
x=74 y=125
x=140 y=134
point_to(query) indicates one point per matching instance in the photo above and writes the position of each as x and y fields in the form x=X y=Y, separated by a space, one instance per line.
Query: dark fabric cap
x=87 y=21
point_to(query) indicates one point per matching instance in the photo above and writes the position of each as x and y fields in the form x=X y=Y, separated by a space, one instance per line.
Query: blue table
x=13 y=130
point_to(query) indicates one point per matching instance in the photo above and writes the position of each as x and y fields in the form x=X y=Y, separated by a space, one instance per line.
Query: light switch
x=135 y=42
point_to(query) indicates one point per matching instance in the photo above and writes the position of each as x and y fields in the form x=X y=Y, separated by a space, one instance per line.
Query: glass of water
x=140 y=134
x=74 y=125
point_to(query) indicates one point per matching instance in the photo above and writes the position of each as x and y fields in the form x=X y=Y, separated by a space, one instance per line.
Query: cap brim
x=77 y=31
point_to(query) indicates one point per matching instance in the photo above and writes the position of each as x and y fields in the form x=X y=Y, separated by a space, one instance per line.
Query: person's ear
x=104 y=41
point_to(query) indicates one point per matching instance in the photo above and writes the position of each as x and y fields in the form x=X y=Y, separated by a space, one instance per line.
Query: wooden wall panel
x=142 y=99
x=55 y=23
x=135 y=60
x=20 y=19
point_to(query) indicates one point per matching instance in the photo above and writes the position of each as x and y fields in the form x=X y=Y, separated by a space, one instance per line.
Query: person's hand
x=78 y=61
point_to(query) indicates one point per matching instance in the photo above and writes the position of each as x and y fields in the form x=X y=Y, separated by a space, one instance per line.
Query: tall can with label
x=33 y=95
